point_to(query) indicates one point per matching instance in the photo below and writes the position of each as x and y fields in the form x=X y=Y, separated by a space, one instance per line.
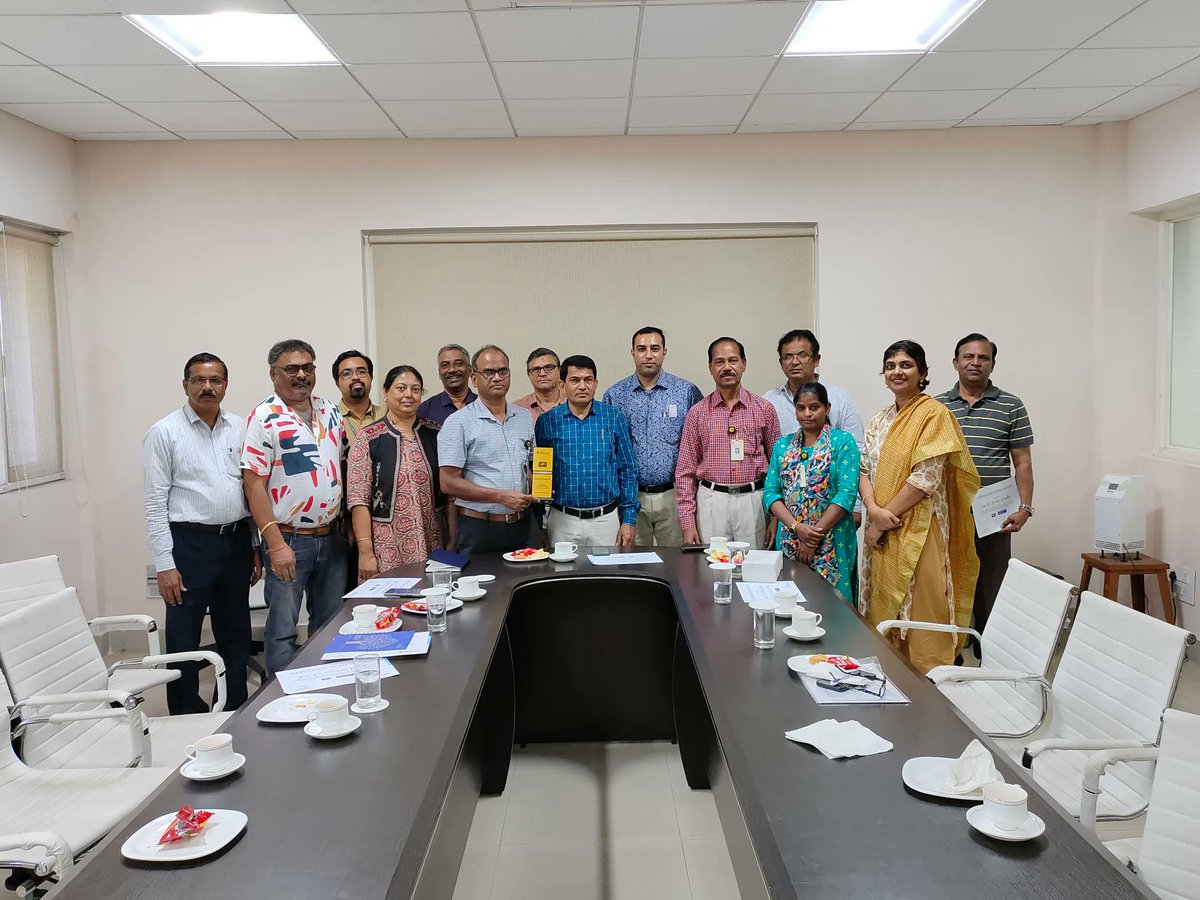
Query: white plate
x=191 y=771
x=520 y=559
x=814 y=635
x=927 y=775
x=351 y=628
x=571 y=558
x=451 y=606
x=471 y=599
x=313 y=731
x=801 y=666
x=293 y=710
x=223 y=827
x=1031 y=828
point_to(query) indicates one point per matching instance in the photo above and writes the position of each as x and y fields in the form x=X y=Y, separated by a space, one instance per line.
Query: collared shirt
x=303 y=468
x=191 y=474
x=354 y=424
x=531 y=403
x=992 y=427
x=843 y=414
x=706 y=446
x=438 y=408
x=491 y=453
x=655 y=419
x=594 y=462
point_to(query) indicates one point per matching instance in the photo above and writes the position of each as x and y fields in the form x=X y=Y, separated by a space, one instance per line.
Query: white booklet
x=314 y=679
x=379 y=588
x=993 y=504
x=625 y=559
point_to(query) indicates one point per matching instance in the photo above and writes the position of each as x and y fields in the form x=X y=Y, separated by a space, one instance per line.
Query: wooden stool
x=1137 y=569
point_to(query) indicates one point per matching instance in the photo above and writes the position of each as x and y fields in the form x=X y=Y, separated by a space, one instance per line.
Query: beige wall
x=1164 y=156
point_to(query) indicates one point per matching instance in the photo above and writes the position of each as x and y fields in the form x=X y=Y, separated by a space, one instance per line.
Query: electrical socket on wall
x=1183 y=585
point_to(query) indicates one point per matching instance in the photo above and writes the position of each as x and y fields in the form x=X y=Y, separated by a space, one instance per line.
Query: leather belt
x=227 y=528
x=593 y=513
x=320 y=531
x=509 y=519
x=657 y=488
x=748 y=488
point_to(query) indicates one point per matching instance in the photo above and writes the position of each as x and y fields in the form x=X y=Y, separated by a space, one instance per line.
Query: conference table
x=577 y=651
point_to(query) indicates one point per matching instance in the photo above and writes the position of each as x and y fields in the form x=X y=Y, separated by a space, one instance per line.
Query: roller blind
x=586 y=292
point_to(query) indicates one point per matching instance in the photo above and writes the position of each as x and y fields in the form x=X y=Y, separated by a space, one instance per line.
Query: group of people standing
x=318 y=496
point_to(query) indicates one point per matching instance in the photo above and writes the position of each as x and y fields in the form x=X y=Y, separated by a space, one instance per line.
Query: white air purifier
x=1121 y=513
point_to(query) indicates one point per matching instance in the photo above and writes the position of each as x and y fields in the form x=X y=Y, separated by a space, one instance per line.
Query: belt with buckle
x=594 y=512
x=747 y=488
x=319 y=531
x=227 y=528
x=509 y=519
x=657 y=488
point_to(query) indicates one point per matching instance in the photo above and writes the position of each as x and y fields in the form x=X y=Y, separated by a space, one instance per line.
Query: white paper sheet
x=417 y=646
x=625 y=559
x=826 y=697
x=993 y=504
x=318 y=678
x=765 y=590
x=377 y=588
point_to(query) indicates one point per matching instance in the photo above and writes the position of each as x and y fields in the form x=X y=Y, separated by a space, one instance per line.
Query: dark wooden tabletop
x=352 y=818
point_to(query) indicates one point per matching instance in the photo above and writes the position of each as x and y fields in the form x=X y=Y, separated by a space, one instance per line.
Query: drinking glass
x=444 y=578
x=435 y=604
x=368 y=692
x=722 y=582
x=764 y=623
x=737 y=555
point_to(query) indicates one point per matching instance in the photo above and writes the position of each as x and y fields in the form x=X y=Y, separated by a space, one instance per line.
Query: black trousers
x=994 y=552
x=482 y=536
x=215 y=569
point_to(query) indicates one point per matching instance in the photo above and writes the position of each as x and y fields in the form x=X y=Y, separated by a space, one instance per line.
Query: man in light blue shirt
x=799 y=358
x=655 y=403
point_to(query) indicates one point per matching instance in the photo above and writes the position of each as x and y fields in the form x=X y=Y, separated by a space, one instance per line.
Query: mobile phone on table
x=693 y=548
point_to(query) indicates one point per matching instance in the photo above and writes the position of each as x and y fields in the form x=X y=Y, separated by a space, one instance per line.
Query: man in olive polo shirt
x=997 y=430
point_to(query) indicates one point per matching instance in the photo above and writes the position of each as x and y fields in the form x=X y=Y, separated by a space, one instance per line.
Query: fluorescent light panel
x=237 y=38
x=835 y=27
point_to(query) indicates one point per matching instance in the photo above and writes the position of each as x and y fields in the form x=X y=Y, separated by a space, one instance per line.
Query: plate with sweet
x=527 y=554
x=718 y=556
x=823 y=665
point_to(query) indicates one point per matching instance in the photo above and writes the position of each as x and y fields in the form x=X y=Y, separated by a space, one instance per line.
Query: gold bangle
x=265 y=527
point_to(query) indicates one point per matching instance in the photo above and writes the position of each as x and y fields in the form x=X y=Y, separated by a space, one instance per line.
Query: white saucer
x=382 y=705
x=485 y=579
x=471 y=598
x=313 y=731
x=785 y=612
x=223 y=827
x=1032 y=827
x=351 y=628
x=814 y=635
x=190 y=770
x=571 y=558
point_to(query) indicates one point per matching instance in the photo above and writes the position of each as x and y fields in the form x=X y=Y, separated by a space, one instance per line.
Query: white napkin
x=435 y=566
x=840 y=739
x=971 y=771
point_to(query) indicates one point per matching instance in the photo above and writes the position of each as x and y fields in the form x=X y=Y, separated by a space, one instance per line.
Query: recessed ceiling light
x=236 y=38
x=877 y=26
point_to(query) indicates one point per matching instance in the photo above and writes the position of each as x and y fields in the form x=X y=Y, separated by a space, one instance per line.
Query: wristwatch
x=1025 y=507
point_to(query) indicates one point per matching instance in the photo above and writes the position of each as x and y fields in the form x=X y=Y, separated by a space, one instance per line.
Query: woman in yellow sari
x=917 y=482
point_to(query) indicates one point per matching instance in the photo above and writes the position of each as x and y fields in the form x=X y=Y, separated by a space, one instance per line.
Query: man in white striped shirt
x=200 y=531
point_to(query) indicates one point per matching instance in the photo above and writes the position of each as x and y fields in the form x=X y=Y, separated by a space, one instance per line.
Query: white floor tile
x=476 y=873
x=709 y=870
x=675 y=767
x=488 y=823
x=587 y=870
x=697 y=815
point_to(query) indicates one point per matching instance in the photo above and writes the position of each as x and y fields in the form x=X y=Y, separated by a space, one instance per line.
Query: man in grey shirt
x=200 y=532
x=484 y=452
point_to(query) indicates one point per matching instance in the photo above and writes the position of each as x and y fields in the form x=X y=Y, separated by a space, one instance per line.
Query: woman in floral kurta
x=811 y=487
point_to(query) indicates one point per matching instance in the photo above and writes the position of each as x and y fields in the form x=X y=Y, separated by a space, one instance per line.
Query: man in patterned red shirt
x=724 y=453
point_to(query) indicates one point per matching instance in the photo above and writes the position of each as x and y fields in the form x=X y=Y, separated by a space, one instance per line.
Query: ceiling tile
x=979 y=122
x=1157 y=23
x=447 y=114
x=36 y=84
x=1140 y=100
x=747 y=128
x=377 y=6
x=79 y=117
x=598 y=131
x=418 y=37
x=84 y=41
x=797 y=109
x=1188 y=73
x=1037 y=103
x=718 y=29
x=982 y=69
x=576 y=78
x=348 y=134
x=275 y=135
x=828 y=74
x=126 y=83
x=281 y=83
x=54 y=7
x=327 y=115
x=681 y=111
x=1095 y=120
x=916 y=125
x=1034 y=24
x=683 y=129
x=701 y=77
x=435 y=133
x=898 y=106
x=122 y=136
x=10 y=57
x=545 y=34
x=557 y=114
x=219 y=116
x=1104 y=68
x=428 y=81
x=197 y=7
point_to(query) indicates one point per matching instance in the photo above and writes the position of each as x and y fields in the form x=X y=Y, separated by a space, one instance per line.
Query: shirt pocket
x=669 y=430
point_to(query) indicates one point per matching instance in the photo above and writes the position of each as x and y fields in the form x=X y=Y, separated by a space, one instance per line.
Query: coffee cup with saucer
x=467 y=588
x=331 y=719
x=210 y=758
x=805 y=625
x=363 y=616
x=1004 y=814
x=564 y=551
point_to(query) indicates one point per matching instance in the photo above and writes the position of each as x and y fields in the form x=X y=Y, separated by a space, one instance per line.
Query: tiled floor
x=596 y=822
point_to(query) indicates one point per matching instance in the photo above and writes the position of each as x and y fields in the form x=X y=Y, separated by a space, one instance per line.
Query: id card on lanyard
x=737 y=445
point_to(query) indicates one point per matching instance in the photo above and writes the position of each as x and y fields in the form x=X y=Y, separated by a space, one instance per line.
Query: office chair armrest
x=890 y=624
x=947 y=674
x=121 y=698
x=104 y=623
x=21 y=851
x=218 y=664
x=1039 y=747
x=1095 y=767
x=138 y=741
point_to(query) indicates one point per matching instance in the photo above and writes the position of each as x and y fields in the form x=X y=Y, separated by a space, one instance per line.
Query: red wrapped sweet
x=187 y=823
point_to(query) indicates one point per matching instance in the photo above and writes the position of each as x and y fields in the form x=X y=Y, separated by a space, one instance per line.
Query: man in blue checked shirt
x=655 y=403
x=594 y=501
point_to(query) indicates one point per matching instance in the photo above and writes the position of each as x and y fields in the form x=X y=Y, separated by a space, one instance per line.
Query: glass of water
x=444 y=578
x=367 y=687
x=435 y=608
x=737 y=556
x=764 y=623
x=722 y=582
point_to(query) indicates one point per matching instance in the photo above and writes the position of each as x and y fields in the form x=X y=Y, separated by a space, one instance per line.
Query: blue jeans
x=321 y=575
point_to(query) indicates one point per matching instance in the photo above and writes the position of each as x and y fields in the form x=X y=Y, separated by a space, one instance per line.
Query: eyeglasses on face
x=360 y=372
x=542 y=370
x=492 y=374
x=201 y=380
x=293 y=371
x=802 y=356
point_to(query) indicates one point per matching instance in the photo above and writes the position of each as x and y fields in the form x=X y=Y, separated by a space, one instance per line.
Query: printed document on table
x=625 y=559
x=378 y=588
x=993 y=504
x=318 y=678
x=826 y=697
x=752 y=591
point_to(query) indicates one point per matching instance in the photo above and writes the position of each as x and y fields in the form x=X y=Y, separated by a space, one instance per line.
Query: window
x=30 y=430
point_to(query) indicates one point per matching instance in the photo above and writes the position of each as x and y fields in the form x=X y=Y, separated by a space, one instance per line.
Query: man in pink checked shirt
x=723 y=455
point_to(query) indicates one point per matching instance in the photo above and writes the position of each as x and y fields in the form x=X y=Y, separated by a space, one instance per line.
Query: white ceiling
x=484 y=68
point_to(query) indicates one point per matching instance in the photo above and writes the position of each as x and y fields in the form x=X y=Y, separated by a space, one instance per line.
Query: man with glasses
x=453 y=370
x=542 y=369
x=484 y=452
x=199 y=531
x=353 y=371
x=292 y=469
x=799 y=358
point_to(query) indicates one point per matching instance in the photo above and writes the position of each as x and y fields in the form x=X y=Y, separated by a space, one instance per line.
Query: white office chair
x=47 y=654
x=1167 y=855
x=29 y=579
x=1005 y=695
